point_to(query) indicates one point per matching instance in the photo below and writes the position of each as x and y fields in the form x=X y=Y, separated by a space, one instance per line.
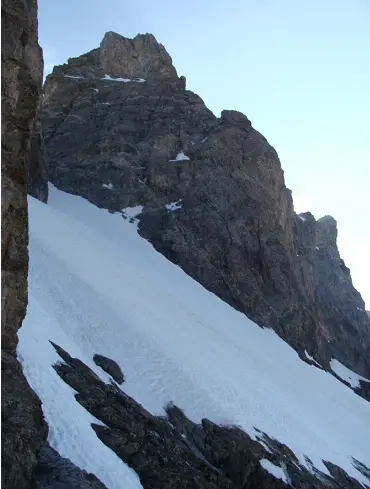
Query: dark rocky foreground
x=175 y=452
x=233 y=227
x=56 y=472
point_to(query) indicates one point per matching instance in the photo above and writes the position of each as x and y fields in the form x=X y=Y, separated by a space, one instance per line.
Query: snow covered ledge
x=346 y=374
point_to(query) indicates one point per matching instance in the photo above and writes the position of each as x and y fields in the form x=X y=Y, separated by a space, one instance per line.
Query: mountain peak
x=327 y=232
x=118 y=56
x=140 y=57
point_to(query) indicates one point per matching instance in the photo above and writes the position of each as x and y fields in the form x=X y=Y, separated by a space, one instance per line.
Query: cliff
x=23 y=426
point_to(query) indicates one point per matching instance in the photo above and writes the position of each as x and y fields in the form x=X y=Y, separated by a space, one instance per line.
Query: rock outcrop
x=23 y=427
x=110 y=367
x=56 y=472
x=121 y=130
x=340 y=310
x=173 y=451
x=37 y=164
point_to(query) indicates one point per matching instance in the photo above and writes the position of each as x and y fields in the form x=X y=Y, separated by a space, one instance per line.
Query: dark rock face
x=234 y=230
x=110 y=366
x=56 y=472
x=21 y=86
x=37 y=165
x=364 y=390
x=175 y=452
x=23 y=427
x=340 y=309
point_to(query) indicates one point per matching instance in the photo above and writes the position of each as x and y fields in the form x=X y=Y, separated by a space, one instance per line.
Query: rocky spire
x=326 y=234
x=140 y=57
x=120 y=57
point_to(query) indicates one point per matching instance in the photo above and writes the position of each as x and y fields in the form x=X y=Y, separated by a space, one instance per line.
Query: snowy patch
x=302 y=218
x=181 y=157
x=123 y=80
x=96 y=90
x=274 y=470
x=204 y=140
x=119 y=79
x=317 y=248
x=110 y=78
x=174 y=206
x=108 y=186
x=346 y=374
x=103 y=103
x=115 y=295
x=311 y=358
x=131 y=213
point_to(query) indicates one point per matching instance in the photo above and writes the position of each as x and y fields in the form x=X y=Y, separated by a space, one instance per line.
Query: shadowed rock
x=110 y=366
x=23 y=426
x=56 y=472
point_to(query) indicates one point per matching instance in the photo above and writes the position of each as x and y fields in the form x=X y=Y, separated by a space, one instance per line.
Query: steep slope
x=97 y=287
x=120 y=129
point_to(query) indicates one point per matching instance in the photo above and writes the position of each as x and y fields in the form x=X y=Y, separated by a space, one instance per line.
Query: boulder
x=110 y=367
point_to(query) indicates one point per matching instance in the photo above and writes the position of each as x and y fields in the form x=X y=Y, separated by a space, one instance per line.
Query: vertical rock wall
x=23 y=427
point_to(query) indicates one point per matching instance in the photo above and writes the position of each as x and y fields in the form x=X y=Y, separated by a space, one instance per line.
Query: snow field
x=97 y=287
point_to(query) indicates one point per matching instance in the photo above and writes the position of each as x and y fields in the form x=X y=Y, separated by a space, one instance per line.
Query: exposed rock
x=141 y=57
x=21 y=86
x=235 y=117
x=37 y=165
x=122 y=144
x=23 y=427
x=340 y=310
x=56 y=472
x=175 y=452
x=110 y=366
x=364 y=390
x=342 y=477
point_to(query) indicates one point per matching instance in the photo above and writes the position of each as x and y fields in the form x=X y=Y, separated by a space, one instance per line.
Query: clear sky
x=300 y=71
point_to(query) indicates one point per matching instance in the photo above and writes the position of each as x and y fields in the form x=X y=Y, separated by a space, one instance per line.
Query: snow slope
x=97 y=287
x=346 y=374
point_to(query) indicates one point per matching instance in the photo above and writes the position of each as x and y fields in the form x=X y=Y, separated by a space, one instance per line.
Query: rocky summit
x=120 y=129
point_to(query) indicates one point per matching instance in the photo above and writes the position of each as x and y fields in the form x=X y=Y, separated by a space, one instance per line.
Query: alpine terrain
x=185 y=328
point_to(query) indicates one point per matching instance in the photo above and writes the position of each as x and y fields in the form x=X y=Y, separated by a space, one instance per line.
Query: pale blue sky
x=300 y=70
